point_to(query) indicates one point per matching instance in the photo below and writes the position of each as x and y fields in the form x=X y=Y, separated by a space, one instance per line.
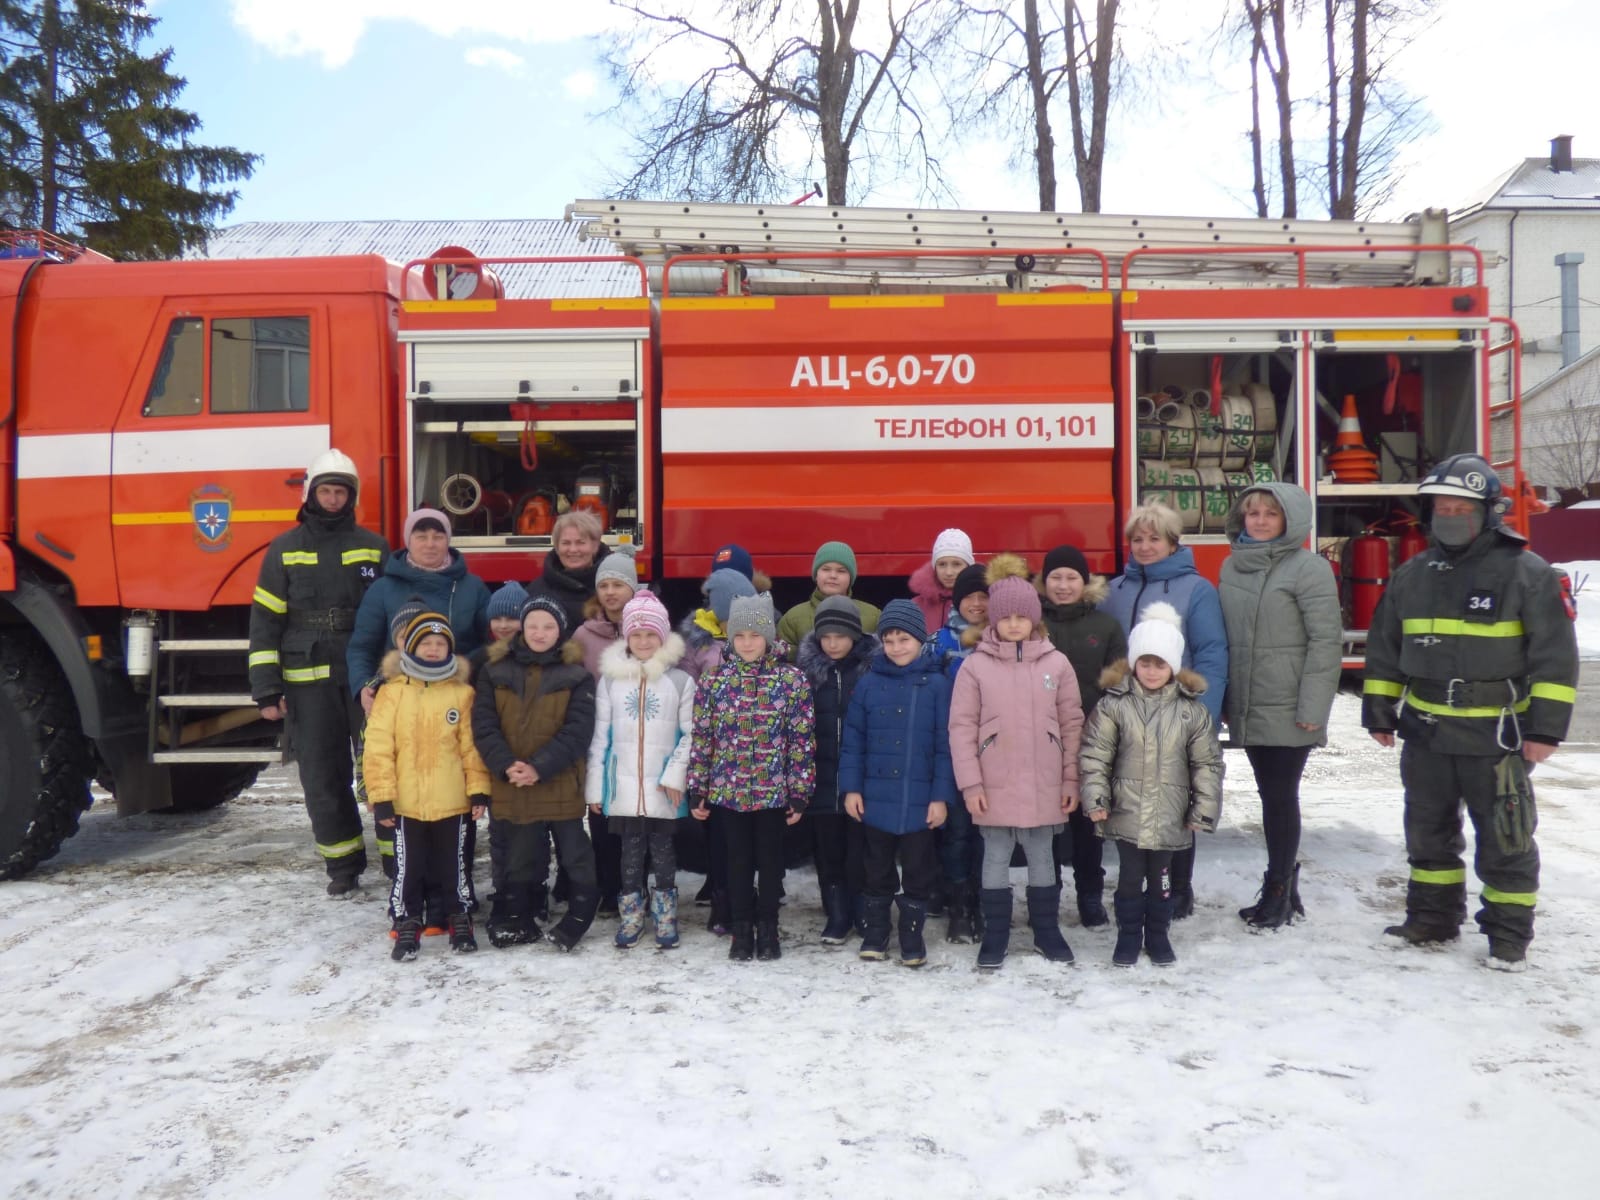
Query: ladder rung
x=217 y=756
x=209 y=700
x=217 y=645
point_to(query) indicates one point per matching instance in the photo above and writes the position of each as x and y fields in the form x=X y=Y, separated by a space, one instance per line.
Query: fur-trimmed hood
x=1094 y=593
x=618 y=664
x=571 y=652
x=1118 y=677
x=390 y=669
x=593 y=612
x=815 y=663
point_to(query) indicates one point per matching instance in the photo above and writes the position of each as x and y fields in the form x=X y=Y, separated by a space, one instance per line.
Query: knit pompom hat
x=835 y=552
x=644 y=611
x=952 y=543
x=752 y=614
x=1159 y=634
x=508 y=600
x=724 y=586
x=904 y=616
x=618 y=565
x=543 y=603
x=1010 y=593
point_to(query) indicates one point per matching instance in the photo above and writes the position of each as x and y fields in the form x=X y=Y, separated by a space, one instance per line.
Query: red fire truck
x=774 y=377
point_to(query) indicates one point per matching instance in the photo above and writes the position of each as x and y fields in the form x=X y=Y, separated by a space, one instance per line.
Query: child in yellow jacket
x=425 y=778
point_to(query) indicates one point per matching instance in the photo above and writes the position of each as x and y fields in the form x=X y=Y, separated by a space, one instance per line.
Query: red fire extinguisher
x=1366 y=575
x=1412 y=540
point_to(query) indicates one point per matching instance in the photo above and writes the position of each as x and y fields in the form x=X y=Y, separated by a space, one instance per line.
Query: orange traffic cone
x=1351 y=461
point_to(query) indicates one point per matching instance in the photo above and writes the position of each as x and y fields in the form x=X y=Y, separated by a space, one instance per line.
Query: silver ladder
x=655 y=230
x=228 y=711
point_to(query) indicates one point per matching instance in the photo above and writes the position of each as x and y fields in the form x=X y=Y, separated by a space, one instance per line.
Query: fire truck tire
x=197 y=787
x=44 y=758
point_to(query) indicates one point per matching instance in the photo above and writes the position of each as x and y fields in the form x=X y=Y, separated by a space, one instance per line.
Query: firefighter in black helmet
x=1473 y=660
x=311 y=583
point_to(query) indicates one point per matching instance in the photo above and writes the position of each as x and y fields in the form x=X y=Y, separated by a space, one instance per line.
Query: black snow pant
x=1278 y=770
x=527 y=854
x=607 y=857
x=1079 y=847
x=324 y=723
x=918 y=853
x=1143 y=872
x=754 y=844
x=1436 y=786
x=430 y=867
x=836 y=842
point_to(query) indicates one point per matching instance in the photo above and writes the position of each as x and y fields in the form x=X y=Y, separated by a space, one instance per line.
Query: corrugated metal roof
x=1535 y=185
x=402 y=241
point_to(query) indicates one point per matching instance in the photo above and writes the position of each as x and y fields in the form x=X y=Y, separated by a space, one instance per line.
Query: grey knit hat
x=838 y=614
x=752 y=614
x=620 y=566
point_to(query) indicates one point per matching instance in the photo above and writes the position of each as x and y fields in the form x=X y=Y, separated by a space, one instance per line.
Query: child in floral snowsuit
x=752 y=756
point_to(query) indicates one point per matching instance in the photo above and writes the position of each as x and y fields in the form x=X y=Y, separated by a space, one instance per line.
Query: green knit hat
x=835 y=552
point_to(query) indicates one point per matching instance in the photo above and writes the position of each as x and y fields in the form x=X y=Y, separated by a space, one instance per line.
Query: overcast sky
x=491 y=108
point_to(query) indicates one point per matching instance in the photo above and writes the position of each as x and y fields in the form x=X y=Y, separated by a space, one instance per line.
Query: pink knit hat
x=420 y=515
x=644 y=611
x=1013 y=597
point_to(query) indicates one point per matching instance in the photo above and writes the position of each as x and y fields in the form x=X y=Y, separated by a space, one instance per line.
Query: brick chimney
x=1561 y=153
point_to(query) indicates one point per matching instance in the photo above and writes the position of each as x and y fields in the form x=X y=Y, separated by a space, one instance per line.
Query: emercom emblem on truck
x=212 y=509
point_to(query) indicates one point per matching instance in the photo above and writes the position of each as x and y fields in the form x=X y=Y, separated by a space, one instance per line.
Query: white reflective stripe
x=63 y=455
x=215 y=451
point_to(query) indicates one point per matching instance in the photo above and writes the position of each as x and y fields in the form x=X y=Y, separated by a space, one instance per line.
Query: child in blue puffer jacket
x=894 y=768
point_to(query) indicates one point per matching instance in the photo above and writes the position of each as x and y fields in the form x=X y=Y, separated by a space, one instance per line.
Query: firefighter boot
x=875 y=941
x=1044 y=918
x=1130 y=930
x=913 y=915
x=996 y=905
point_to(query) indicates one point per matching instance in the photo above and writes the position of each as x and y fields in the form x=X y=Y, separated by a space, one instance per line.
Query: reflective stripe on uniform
x=361 y=556
x=306 y=674
x=270 y=602
x=264 y=658
x=1442 y=878
x=1445 y=710
x=1459 y=628
x=340 y=849
x=1554 y=691
x=1496 y=896
x=299 y=558
x=386 y=847
x=1382 y=687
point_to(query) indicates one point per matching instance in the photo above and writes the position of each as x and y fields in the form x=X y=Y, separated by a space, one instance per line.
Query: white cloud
x=581 y=85
x=495 y=57
x=332 y=29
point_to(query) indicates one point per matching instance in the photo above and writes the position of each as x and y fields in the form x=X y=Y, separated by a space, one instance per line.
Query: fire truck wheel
x=199 y=786
x=44 y=758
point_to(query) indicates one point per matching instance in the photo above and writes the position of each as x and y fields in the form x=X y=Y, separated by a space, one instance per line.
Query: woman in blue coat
x=1159 y=569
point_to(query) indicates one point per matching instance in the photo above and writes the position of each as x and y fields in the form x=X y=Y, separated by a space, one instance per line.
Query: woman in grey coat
x=1281 y=606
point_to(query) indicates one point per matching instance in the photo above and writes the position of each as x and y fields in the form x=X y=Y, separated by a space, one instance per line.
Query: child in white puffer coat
x=638 y=761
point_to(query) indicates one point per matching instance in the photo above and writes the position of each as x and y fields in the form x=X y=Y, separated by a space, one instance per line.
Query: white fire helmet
x=332 y=466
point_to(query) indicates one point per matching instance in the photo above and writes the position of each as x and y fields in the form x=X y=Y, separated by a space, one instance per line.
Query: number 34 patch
x=1481 y=604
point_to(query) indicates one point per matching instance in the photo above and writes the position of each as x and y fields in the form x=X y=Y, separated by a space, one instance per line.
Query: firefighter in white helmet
x=1473 y=660
x=312 y=580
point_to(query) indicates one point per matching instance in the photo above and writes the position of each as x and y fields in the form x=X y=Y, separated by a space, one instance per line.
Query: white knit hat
x=1159 y=634
x=953 y=543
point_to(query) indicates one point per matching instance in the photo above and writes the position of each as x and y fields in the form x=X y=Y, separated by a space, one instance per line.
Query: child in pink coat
x=931 y=584
x=1015 y=725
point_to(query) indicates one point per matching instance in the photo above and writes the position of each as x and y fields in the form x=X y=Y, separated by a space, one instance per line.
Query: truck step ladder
x=227 y=710
x=655 y=230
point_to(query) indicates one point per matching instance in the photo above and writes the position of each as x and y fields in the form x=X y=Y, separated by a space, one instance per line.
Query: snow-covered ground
x=1585 y=578
x=185 y=1014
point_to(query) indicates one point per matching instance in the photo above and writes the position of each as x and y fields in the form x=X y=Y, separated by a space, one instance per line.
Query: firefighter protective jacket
x=1463 y=643
x=312 y=580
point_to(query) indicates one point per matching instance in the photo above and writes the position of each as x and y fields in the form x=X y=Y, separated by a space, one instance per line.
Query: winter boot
x=836 y=907
x=344 y=883
x=742 y=945
x=1130 y=930
x=720 y=916
x=1092 y=909
x=630 y=906
x=996 y=906
x=913 y=915
x=961 y=929
x=1506 y=955
x=1182 y=886
x=1418 y=932
x=541 y=904
x=1294 y=893
x=702 y=898
x=1158 y=918
x=767 y=948
x=858 y=913
x=511 y=923
x=1248 y=914
x=975 y=907
x=581 y=905
x=408 y=940
x=434 y=921
x=461 y=939
x=1044 y=918
x=939 y=903
x=875 y=941
x=664 y=909
x=1275 y=908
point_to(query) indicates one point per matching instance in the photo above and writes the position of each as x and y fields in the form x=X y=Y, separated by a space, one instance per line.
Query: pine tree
x=93 y=145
